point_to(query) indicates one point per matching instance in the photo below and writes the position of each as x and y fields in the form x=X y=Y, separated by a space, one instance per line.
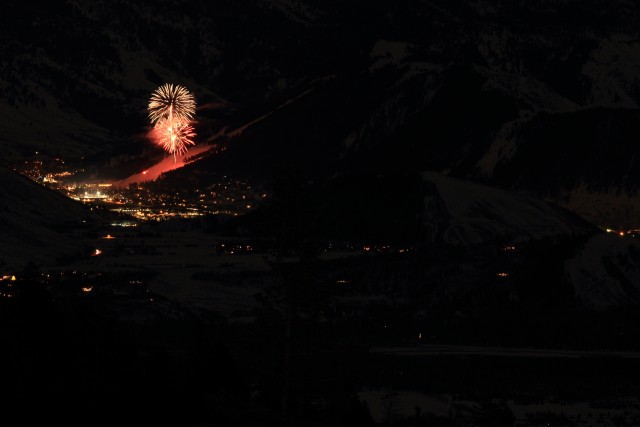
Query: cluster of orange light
x=7 y=278
x=622 y=233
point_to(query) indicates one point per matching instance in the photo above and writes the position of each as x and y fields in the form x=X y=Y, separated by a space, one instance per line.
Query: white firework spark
x=171 y=101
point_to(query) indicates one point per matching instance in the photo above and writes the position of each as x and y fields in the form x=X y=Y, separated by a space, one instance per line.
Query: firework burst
x=171 y=109
x=174 y=136
x=171 y=101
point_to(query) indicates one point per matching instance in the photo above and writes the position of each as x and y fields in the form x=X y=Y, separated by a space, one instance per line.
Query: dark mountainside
x=438 y=176
x=501 y=93
x=36 y=223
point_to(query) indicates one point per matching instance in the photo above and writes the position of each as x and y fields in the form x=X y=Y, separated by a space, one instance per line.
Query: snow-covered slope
x=471 y=214
x=31 y=220
x=606 y=272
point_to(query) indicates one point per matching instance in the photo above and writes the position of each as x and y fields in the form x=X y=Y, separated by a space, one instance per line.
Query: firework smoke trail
x=173 y=135
x=169 y=101
x=171 y=108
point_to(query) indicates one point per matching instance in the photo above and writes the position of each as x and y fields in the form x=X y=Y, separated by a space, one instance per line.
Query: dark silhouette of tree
x=299 y=296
